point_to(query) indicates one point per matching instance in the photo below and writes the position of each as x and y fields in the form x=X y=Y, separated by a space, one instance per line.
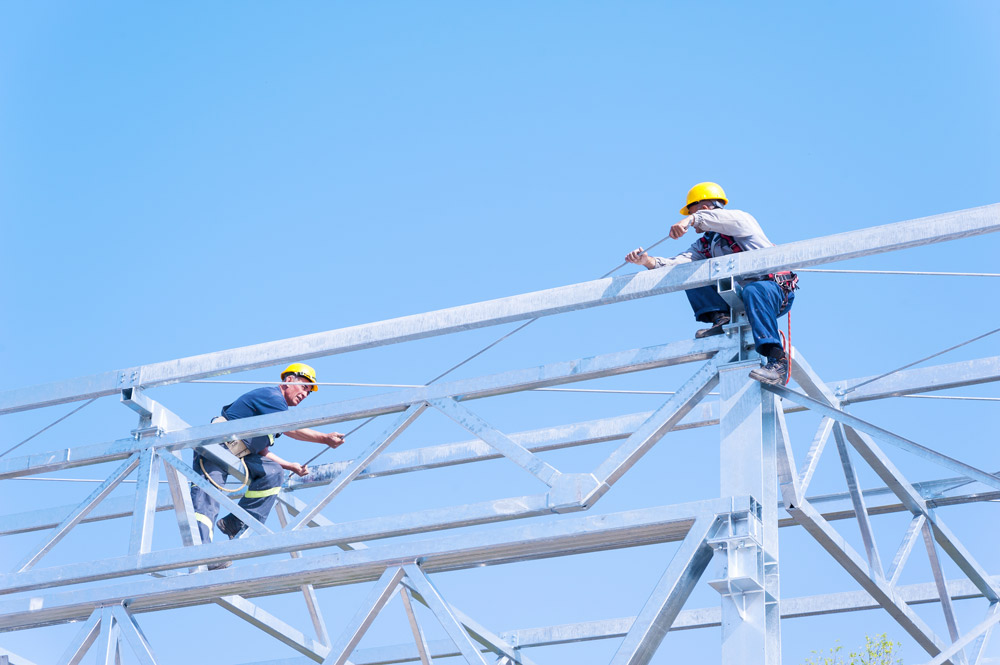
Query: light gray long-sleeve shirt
x=741 y=226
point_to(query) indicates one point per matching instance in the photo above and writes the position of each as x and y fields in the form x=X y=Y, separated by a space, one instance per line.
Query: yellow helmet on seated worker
x=704 y=191
x=303 y=370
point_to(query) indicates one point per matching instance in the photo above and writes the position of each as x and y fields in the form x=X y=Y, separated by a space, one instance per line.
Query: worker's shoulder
x=268 y=395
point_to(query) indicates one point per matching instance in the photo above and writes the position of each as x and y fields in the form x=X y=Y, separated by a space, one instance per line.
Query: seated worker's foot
x=225 y=528
x=719 y=319
x=219 y=565
x=775 y=372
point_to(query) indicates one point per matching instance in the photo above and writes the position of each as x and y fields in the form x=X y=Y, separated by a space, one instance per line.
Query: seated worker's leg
x=265 y=483
x=709 y=307
x=763 y=302
x=205 y=507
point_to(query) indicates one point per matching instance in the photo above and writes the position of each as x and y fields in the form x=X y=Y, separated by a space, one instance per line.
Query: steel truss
x=736 y=536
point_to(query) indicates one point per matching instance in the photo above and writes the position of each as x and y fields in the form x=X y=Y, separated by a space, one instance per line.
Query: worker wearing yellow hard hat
x=765 y=297
x=264 y=468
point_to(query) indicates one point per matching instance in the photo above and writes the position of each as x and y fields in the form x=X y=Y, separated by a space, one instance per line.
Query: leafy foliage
x=877 y=651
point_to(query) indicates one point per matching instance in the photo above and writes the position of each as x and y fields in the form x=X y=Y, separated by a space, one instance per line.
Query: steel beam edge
x=801 y=254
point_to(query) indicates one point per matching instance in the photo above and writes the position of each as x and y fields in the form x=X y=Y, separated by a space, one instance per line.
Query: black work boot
x=226 y=529
x=719 y=319
x=775 y=372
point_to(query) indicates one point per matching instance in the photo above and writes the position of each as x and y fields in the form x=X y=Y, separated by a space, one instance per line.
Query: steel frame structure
x=763 y=489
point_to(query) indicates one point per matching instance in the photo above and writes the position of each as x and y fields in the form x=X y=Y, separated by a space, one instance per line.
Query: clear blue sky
x=179 y=178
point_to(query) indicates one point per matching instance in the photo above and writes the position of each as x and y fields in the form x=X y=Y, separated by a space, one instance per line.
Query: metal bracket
x=739 y=556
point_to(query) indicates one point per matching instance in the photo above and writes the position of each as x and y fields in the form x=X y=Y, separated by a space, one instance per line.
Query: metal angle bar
x=379 y=595
x=308 y=592
x=620 y=427
x=580 y=369
x=13 y=658
x=860 y=509
x=360 y=462
x=942 y=586
x=344 y=536
x=805 y=253
x=668 y=597
x=815 y=451
x=183 y=507
x=108 y=640
x=133 y=635
x=693 y=619
x=145 y=503
x=662 y=420
x=845 y=555
x=419 y=640
x=892 y=477
x=223 y=500
x=489 y=640
x=905 y=547
x=83 y=640
x=348 y=535
x=979 y=648
x=890 y=438
x=498 y=440
x=459 y=552
x=422 y=584
x=78 y=513
x=920 y=380
x=788 y=481
x=961 y=643
x=273 y=626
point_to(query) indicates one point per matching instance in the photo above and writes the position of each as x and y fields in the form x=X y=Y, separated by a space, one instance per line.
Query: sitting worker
x=264 y=467
x=765 y=298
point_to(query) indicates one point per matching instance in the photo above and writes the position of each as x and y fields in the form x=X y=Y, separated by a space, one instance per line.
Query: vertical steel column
x=747 y=551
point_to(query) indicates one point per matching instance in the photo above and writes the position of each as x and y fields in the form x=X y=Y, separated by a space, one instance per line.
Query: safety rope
x=246 y=476
x=52 y=424
x=917 y=362
x=486 y=348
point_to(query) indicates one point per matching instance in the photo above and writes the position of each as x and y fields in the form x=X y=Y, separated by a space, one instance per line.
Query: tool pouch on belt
x=239 y=448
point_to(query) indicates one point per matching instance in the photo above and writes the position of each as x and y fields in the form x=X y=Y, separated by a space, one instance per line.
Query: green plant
x=877 y=651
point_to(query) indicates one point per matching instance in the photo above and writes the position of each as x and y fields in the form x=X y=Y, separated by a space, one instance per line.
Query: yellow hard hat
x=303 y=370
x=704 y=191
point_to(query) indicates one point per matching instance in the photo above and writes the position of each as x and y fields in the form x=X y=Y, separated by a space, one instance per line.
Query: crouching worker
x=264 y=467
x=765 y=298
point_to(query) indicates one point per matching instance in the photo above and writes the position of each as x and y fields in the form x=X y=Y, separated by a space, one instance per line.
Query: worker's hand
x=641 y=258
x=298 y=469
x=680 y=228
x=335 y=439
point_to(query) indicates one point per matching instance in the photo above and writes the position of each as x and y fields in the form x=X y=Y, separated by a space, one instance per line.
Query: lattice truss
x=764 y=473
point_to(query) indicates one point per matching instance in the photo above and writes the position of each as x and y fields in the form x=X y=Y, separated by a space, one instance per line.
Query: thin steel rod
x=903 y=272
x=49 y=426
x=917 y=362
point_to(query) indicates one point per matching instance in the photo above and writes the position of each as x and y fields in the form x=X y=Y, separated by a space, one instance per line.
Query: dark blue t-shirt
x=257 y=403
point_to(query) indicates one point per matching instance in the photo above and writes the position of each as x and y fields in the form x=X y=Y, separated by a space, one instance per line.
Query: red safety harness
x=786 y=279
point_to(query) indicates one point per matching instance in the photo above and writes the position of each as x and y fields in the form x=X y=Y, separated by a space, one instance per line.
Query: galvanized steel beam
x=816 y=251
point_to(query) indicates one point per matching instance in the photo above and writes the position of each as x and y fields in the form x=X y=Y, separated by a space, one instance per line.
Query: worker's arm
x=332 y=439
x=641 y=258
x=735 y=223
x=294 y=467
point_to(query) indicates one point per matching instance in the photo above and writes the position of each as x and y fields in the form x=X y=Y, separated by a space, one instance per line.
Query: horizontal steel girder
x=692 y=619
x=508 y=545
x=815 y=251
x=559 y=373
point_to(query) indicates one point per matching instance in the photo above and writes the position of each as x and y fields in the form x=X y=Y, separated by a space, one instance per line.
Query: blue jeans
x=763 y=303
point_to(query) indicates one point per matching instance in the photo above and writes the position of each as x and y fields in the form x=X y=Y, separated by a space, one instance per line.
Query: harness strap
x=706 y=243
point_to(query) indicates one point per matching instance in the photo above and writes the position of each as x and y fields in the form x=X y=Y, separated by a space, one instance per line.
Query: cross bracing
x=729 y=544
